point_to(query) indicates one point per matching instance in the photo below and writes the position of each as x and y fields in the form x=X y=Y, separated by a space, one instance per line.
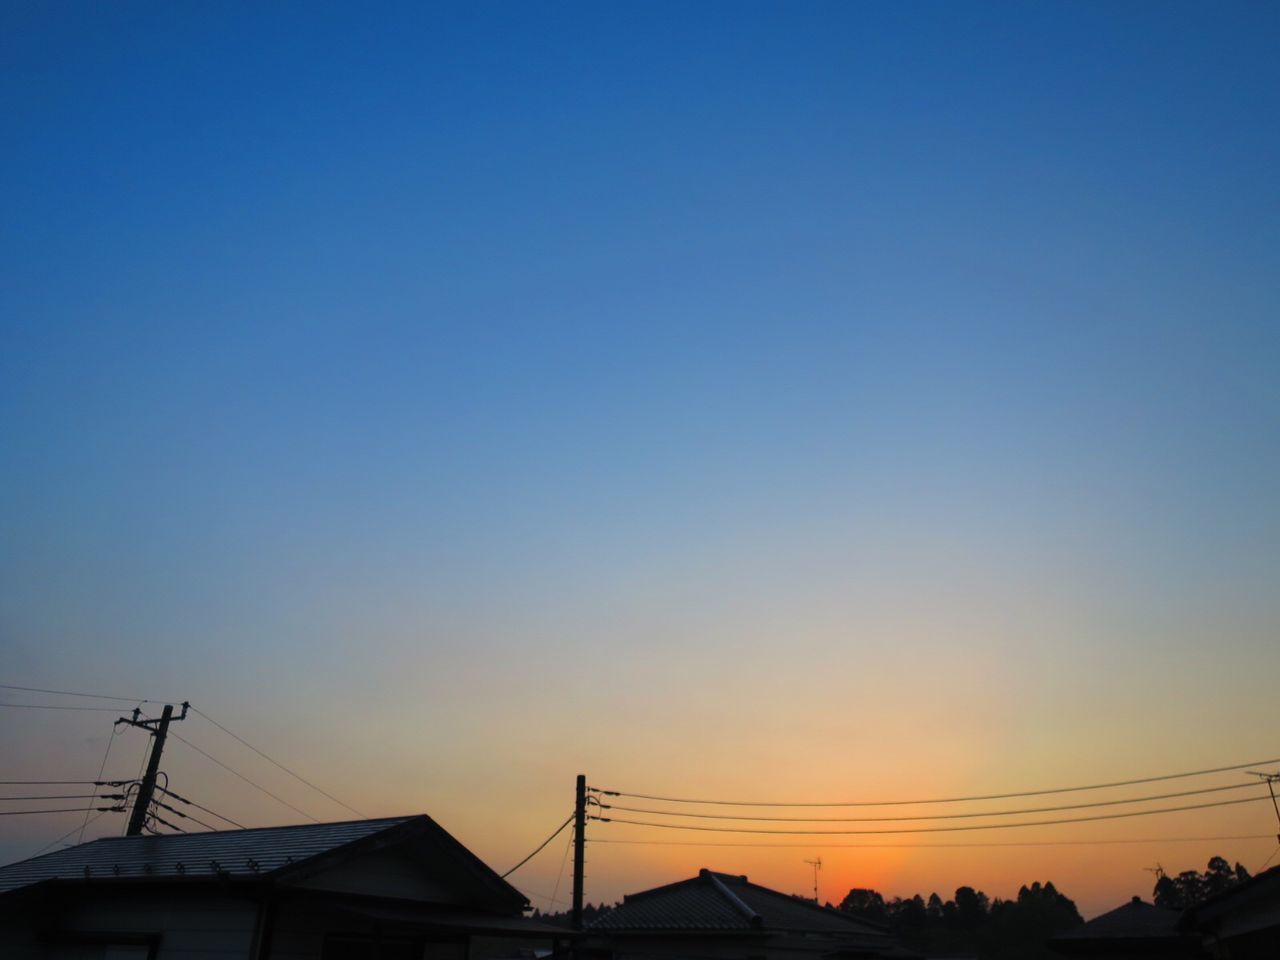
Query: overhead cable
x=256 y=786
x=58 y=706
x=539 y=848
x=927 y=846
x=185 y=816
x=899 y=803
x=72 y=693
x=90 y=822
x=19 y=813
x=296 y=776
x=971 y=826
x=64 y=783
x=935 y=816
x=201 y=807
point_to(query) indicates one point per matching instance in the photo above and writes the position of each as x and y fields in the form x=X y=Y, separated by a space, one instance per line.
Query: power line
x=256 y=786
x=89 y=822
x=269 y=759
x=975 y=826
x=160 y=819
x=184 y=816
x=61 y=796
x=928 y=846
x=101 y=767
x=19 y=813
x=899 y=803
x=64 y=783
x=103 y=696
x=936 y=816
x=200 y=807
x=57 y=706
x=539 y=848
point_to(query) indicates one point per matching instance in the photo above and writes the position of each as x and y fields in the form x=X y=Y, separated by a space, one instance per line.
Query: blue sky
x=449 y=359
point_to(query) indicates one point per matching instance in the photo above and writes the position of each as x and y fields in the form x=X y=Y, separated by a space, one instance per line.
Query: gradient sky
x=799 y=401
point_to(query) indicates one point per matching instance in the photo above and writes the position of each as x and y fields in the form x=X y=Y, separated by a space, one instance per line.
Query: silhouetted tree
x=866 y=904
x=1189 y=887
x=971 y=908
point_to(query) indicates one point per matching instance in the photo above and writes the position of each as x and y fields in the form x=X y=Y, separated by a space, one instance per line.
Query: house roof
x=1136 y=919
x=1265 y=887
x=265 y=853
x=725 y=902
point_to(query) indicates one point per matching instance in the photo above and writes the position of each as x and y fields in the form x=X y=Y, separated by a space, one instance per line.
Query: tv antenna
x=816 y=863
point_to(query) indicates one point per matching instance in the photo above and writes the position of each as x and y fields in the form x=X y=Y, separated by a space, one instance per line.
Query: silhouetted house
x=719 y=916
x=1242 y=923
x=392 y=889
x=1135 y=930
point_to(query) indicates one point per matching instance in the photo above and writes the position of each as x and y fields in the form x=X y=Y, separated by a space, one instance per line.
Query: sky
x=798 y=402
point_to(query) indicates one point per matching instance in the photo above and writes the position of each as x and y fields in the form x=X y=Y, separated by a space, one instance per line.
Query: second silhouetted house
x=722 y=916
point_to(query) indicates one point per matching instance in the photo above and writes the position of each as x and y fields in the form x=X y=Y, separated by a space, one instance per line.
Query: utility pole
x=159 y=730
x=1271 y=779
x=579 y=846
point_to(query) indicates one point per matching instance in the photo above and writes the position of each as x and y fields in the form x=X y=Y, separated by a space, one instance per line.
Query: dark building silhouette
x=392 y=889
x=719 y=916
x=1242 y=923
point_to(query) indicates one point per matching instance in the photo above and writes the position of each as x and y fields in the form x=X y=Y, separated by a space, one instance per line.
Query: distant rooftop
x=722 y=901
x=1137 y=918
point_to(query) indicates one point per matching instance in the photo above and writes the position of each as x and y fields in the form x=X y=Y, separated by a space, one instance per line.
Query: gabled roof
x=724 y=902
x=1136 y=919
x=266 y=853
x=1265 y=887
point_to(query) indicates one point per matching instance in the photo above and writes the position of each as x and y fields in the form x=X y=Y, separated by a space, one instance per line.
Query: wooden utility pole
x=579 y=846
x=159 y=730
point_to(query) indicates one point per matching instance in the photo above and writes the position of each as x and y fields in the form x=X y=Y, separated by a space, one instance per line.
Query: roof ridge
x=734 y=900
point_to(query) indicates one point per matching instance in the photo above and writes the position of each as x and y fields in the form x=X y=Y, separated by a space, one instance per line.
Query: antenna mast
x=816 y=863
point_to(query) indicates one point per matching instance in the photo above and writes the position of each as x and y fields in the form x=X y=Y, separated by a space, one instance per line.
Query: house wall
x=191 y=927
x=383 y=873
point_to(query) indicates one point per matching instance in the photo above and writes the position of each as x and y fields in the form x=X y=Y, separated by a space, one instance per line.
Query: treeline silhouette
x=1191 y=887
x=565 y=919
x=971 y=924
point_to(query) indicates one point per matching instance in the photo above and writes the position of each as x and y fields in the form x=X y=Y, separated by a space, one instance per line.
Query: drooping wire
x=971 y=826
x=926 y=846
x=539 y=848
x=1269 y=859
x=57 y=706
x=269 y=759
x=159 y=819
x=185 y=816
x=201 y=807
x=61 y=783
x=936 y=816
x=560 y=876
x=19 y=813
x=71 y=693
x=58 y=796
x=899 y=803
x=91 y=821
x=256 y=786
x=101 y=767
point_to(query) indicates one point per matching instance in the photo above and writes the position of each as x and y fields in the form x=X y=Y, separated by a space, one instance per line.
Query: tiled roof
x=233 y=853
x=1135 y=919
x=721 y=901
